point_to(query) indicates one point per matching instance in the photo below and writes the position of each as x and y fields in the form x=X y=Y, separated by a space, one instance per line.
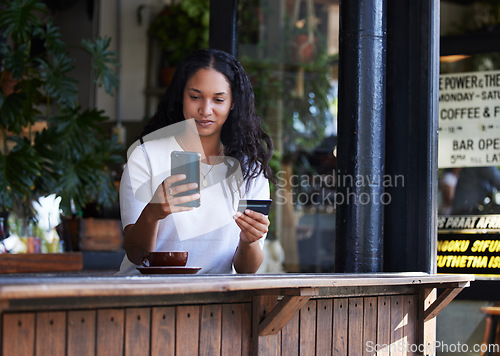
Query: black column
x=223 y=21
x=361 y=136
x=410 y=230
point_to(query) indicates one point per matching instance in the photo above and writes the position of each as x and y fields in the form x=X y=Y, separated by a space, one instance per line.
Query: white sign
x=469 y=119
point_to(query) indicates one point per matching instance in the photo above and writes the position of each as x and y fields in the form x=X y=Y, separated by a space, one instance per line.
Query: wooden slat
x=281 y=313
x=290 y=337
x=137 y=331
x=356 y=326
x=110 y=331
x=50 y=334
x=211 y=329
x=264 y=345
x=410 y=311
x=187 y=326
x=81 y=332
x=383 y=325
x=324 y=326
x=340 y=326
x=427 y=329
x=18 y=337
x=163 y=331
x=307 y=341
x=246 y=329
x=397 y=325
x=370 y=316
x=232 y=315
x=40 y=262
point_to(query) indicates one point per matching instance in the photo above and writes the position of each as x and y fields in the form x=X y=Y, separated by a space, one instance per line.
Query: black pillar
x=410 y=230
x=361 y=136
x=223 y=21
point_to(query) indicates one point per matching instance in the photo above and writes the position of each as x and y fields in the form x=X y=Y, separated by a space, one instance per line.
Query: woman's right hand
x=164 y=201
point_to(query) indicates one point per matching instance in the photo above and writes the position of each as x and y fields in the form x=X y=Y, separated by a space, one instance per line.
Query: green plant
x=70 y=155
x=181 y=28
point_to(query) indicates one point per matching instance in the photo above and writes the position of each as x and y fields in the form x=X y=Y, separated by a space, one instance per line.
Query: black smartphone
x=187 y=163
x=261 y=206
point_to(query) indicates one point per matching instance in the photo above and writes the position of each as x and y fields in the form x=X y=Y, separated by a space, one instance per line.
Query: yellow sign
x=469 y=244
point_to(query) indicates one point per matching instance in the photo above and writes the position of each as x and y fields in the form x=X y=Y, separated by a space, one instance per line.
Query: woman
x=208 y=108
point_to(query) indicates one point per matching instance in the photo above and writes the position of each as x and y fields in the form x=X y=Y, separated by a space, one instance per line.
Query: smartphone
x=187 y=163
x=261 y=206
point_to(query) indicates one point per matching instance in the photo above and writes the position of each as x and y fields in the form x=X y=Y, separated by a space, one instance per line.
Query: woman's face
x=207 y=99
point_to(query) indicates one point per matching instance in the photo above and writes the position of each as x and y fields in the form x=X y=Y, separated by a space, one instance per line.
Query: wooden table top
x=56 y=285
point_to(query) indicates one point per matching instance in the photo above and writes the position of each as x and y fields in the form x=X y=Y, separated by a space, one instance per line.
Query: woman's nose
x=205 y=108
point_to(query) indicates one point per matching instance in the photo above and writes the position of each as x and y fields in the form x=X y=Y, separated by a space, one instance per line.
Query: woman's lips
x=204 y=123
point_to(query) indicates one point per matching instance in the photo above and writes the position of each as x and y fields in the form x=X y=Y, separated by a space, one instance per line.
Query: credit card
x=260 y=206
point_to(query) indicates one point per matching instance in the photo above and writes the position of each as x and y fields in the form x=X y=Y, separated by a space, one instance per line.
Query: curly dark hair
x=242 y=134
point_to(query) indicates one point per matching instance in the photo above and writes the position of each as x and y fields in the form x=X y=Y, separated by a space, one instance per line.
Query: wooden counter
x=289 y=314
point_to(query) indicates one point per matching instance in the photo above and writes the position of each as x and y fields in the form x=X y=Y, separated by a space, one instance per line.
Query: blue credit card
x=261 y=206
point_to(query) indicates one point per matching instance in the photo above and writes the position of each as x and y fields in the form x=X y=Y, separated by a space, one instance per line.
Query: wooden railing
x=222 y=315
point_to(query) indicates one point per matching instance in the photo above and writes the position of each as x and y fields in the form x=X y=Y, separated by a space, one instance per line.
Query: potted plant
x=178 y=29
x=48 y=143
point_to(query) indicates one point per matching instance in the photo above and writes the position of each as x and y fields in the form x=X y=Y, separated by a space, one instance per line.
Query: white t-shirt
x=208 y=232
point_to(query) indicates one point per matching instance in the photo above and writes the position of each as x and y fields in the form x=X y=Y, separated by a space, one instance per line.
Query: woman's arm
x=140 y=238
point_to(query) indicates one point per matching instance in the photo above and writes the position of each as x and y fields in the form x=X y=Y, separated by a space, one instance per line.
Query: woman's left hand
x=253 y=225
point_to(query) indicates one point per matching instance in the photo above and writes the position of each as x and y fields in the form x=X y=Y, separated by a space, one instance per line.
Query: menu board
x=469 y=119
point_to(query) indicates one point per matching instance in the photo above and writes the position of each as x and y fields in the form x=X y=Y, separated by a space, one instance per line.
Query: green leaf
x=15 y=59
x=10 y=116
x=19 y=18
x=105 y=63
x=18 y=171
x=58 y=84
x=53 y=38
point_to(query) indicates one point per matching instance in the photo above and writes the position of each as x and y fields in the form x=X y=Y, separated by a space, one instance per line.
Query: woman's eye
x=217 y=100
x=194 y=97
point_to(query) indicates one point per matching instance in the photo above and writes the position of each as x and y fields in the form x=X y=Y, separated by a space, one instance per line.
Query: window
x=290 y=51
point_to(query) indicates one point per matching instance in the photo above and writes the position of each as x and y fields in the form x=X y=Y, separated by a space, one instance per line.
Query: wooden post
x=264 y=345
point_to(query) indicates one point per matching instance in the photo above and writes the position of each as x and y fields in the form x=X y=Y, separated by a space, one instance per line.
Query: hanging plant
x=181 y=28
